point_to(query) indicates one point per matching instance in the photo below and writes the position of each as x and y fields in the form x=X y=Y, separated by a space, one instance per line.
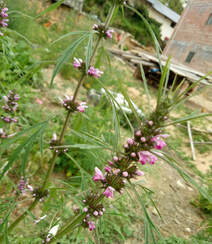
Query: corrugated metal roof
x=161 y=8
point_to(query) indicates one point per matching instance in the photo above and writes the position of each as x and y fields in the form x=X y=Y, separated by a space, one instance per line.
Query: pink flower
x=115 y=158
x=109 y=33
x=110 y=163
x=143 y=139
x=133 y=155
x=150 y=123
x=108 y=169
x=85 y=210
x=39 y=101
x=109 y=192
x=95 y=213
x=54 y=137
x=130 y=141
x=91 y=225
x=98 y=175
x=95 y=27
x=126 y=146
x=159 y=144
x=125 y=173
x=30 y=188
x=138 y=133
x=77 y=63
x=139 y=173
x=81 y=108
x=146 y=157
x=5 y=99
x=95 y=72
x=116 y=171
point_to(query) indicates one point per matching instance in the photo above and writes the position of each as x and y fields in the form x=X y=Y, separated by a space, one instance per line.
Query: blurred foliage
x=17 y=63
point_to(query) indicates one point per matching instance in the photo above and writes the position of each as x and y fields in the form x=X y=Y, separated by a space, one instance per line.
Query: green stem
x=72 y=224
x=53 y=160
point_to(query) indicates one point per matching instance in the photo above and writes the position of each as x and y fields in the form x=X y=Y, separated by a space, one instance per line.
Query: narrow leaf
x=145 y=87
x=66 y=56
x=89 y=51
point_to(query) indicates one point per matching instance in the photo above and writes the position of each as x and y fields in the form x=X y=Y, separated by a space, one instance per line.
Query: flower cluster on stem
x=122 y=168
x=3 y=18
x=92 y=71
x=103 y=31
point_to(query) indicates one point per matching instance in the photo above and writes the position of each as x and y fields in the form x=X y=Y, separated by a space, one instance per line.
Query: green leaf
x=115 y=102
x=162 y=81
x=18 y=150
x=145 y=87
x=6 y=232
x=70 y=34
x=89 y=51
x=189 y=117
x=129 y=101
x=81 y=169
x=81 y=146
x=66 y=56
x=90 y=138
x=50 y=8
x=149 y=225
x=5 y=145
x=19 y=35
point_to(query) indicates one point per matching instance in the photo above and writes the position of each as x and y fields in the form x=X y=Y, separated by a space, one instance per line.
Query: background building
x=164 y=15
x=191 y=42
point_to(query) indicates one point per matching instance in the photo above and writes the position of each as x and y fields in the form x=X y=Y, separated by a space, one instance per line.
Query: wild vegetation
x=53 y=154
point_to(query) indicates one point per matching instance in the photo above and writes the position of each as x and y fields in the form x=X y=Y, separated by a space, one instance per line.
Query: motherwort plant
x=143 y=147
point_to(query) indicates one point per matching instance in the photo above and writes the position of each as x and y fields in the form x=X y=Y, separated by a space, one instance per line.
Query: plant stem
x=55 y=155
x=72 y=225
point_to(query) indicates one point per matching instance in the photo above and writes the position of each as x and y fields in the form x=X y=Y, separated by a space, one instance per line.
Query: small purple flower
x=54 y=137
x=115 y=158
x=81 y=108
x=77 y=63
x=159 y=144
x=95 y=213
x=138 y=133
x=98 y=175
x=91 y=225
x=139 y=173
x=110 y=163
x=85 y=210
x=146 y=157
x=130 y=141
x=116 y=171
x=95 y=72
x=109 y=192
x=143 y=139
x=5 y=99
x=95 y=27
x=107 y=169
x=125 y=173
x=133 y=155
x=150 y=122
x=109 y=33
